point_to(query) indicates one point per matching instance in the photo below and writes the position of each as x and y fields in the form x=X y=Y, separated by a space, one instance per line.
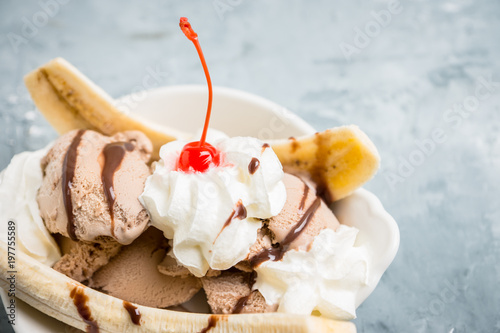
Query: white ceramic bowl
x=243 y=114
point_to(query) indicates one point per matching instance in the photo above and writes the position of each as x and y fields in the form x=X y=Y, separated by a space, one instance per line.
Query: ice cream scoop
x=231 y=292
x=302 y=218
x=82 y=259
x=300 y=198
x=91 y=184
x=133 y=275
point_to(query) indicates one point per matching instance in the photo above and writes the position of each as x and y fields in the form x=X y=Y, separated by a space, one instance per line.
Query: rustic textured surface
x=398 y=89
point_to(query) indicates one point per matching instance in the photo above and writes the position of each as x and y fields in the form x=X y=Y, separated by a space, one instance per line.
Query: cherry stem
x=193 y=36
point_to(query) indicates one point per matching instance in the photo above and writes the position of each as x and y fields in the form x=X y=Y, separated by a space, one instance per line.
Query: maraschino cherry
x=198 y=156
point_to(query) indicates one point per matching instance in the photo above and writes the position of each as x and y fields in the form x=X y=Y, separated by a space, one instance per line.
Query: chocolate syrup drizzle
x=243 y=300
x=323 y=191
x=241 y=304
x=212 y=321
x=113 y=157
x=304 y=198
x=80 y=300
x=253 y=165
x=68 y=173
x=264 y=147
x=134 y=313
x=239 y=212
x=318 y=172
x=277 y=253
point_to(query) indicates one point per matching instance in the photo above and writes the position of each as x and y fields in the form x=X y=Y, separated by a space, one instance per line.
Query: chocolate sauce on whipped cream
x=239 y=212
x=68 y=173
x=135 y=315
x=277 y=253
x=113 y=157
x=80 y=300
x=264 y=147
x=253 y=165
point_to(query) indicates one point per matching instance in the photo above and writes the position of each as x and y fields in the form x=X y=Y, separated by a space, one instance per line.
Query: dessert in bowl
x=277 y=239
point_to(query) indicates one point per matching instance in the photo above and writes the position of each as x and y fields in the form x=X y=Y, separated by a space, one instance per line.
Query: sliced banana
x=49 y=291
x=69 y=100
x=338 y=160
x=60 y=114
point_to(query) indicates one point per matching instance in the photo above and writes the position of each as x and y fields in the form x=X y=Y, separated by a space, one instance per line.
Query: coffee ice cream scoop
x=302 y=218
x=301 y=199
x=91 y=184
x=133 y=274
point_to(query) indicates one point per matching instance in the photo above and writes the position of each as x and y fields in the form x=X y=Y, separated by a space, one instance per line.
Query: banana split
x=245 y=221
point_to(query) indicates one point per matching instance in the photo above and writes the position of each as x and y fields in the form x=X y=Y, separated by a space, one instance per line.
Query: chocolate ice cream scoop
x=133 y=274
x=91 y=185
x=231 y=292
x=303 y=216
x=82 y=259
x=301 y=219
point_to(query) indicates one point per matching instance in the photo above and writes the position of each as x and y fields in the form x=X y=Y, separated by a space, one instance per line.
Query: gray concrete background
x=404 y=81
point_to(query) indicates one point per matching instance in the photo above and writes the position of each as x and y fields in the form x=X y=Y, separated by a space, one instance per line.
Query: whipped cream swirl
x=213 y=217
x=326 y=278
x=19 y=184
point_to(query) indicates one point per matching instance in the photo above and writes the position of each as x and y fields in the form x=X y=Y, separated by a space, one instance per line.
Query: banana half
x=338 y=160
x=84 y=308
x=69 y=100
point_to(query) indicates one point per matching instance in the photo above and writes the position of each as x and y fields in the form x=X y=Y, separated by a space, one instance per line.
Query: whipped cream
x=202 y=212
x=326 y=278
x=19 y=184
